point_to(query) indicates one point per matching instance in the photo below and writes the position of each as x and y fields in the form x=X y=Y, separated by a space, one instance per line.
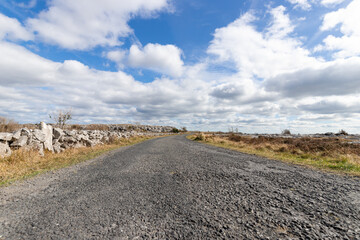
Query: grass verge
x=334 y=158
x=24 y=164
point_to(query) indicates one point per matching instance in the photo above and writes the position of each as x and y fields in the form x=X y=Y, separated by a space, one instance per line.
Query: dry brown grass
x=9 y=125
x=22 y=164
x=325 y=153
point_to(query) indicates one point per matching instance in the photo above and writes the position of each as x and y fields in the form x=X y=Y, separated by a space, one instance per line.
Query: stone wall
x=57 y=140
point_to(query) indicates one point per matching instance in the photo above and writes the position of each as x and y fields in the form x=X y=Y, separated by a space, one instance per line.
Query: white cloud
x=84 y=24
x=19 y=66
x=334 y=78
x=303 y=4
x=118 y=56
x=329 y=3
x=11 y=29
x=161 y=58
x=348 y=19
x=261 y=54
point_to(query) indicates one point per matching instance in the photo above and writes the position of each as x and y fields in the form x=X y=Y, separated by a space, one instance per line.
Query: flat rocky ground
x=172 y=188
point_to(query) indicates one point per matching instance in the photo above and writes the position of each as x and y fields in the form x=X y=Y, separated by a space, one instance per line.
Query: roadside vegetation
x=333 y=154
x=23 y=164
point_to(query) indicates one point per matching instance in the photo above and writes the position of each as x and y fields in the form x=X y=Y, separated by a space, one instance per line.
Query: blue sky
x=259 y=66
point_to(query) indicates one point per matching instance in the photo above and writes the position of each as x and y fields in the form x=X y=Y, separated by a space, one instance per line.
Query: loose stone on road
x=173 y=188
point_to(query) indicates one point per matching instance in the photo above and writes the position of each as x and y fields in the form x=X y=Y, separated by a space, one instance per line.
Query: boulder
x=36 y=145
x=20 y=142
x=89 y=143
x=48 y=131
x=25 y=132
x=69 y=139
x=5 y=150
x=57 y=147
x=57 y=133
x=6 y=137
x=39 y=135
x=16 y=135
x=71 y=133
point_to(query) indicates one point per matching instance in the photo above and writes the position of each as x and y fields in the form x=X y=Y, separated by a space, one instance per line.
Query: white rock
x=25 y=132
x=16 y=135
x=57 y=147
x=39 y=135
x=37 y=146
x=20 y=142
x=48 y=131
x=5 y=150
x=6 y=136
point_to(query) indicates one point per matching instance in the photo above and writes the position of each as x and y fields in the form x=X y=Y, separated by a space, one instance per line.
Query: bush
x=235 y=138
x=342 y=132
x=199 y=137
x=286 y=132
x=61 y=117
x=175 y=130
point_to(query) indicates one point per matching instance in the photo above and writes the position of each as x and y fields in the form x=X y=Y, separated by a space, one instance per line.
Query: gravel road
x=173 y=188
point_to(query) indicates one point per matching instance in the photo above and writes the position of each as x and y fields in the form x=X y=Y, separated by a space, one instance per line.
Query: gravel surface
x=173 y=188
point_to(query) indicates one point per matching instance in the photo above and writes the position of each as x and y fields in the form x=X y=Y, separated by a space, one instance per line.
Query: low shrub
x=286 y=132
x=199 y=137
x=175 y=130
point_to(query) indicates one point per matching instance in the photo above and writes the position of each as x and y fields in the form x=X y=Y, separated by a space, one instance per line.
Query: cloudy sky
x=259 y=66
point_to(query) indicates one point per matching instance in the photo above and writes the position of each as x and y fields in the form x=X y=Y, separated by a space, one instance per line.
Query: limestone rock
x=57 y=147
x=69 y=140
x=22 y=141
x=39 y=135
x=16 y=135
x=58 y=132
x=25 y=132
x=6 y=137
x=48 y=131
x=5 y=150
x=37 y=146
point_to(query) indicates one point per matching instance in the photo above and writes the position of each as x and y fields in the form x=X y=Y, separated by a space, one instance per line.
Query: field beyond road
x=175 y=188
x=335 y=154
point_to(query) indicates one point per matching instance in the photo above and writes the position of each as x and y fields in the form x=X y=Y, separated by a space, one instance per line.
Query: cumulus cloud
x=303 y=4
x=18 y=66
x=334 y=78
x=261 y=54
x=347 y=18
x=84 y=24
x=11 y=29
x=35 y=85
x=332 y=106
x=161 y=58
